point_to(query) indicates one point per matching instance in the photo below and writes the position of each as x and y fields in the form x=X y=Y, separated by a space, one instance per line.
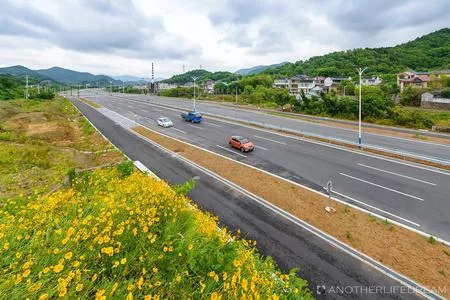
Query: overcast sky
x=117 y=37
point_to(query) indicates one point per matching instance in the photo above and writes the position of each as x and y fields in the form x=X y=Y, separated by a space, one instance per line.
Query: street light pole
x=360 y=71
x=194 y=78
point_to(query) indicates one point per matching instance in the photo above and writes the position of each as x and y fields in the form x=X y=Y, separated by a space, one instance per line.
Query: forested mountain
x=21 y=71
x=202 y=75
x=58 y=75
x=256 y=69
x=429 y=52
x=66 y=76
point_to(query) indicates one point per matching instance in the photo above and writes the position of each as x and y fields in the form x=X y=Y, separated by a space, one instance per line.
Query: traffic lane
x=267 y=147
x=383 y=196
x=427 y=149
x=290 y=246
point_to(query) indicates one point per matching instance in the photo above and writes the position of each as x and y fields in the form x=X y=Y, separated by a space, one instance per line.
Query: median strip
x=423 y=260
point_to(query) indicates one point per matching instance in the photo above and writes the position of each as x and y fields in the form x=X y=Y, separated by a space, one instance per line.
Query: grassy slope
x=41 y=140
x=110 y=232
x=119 y=235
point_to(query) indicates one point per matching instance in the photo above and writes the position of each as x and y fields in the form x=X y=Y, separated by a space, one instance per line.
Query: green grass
x=38 y=161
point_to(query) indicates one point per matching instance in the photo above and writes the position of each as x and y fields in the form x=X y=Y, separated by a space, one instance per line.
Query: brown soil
x=398 y=248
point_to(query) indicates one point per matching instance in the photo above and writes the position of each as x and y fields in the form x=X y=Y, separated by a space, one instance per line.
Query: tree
x=411 y=96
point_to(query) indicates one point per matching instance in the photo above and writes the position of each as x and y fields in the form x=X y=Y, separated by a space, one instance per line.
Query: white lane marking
x=380 y=186
x=259 y=147
x=376 y=208
x=212 y=124
x=263 y=138
x=184 y=132
x=393 y=173
x=231 y=151
x=341 y=148
x=155 y=109
x=197 y=127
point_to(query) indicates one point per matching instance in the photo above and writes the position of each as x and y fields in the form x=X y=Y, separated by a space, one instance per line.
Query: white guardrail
x=314 y=135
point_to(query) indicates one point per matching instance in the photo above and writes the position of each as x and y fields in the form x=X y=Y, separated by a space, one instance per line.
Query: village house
x=413 y=79
x=372 y=81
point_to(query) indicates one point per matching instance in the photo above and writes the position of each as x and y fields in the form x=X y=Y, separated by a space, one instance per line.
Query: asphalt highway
x=291 y=246
x=412 y=195
x=413 y=146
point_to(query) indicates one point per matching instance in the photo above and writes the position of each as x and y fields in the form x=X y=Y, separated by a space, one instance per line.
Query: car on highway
x=192 y=116
x=164 y=122
x=241 y=143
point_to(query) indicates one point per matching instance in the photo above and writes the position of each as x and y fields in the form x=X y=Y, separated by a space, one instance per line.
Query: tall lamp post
x=360 y=71
x=194 y=78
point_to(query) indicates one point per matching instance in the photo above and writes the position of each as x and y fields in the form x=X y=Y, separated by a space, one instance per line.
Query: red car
x=241 y=143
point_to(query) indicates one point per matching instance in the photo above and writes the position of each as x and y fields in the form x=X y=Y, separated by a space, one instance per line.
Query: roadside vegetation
x=78 y=221
x=41 y=141
x=124 y=235
x=422 y=259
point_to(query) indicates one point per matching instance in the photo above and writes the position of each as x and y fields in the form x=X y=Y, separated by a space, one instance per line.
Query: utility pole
x=110 y=87
x=360 y=71
x=26 y=89
x=78 y=91
x=194 y=78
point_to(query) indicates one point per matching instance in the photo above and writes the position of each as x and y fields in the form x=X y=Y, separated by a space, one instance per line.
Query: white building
x=371 y=81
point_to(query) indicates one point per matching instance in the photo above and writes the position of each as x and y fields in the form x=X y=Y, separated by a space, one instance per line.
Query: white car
x=164 y=122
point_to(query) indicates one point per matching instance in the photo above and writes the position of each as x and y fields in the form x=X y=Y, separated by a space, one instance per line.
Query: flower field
x=116 y=234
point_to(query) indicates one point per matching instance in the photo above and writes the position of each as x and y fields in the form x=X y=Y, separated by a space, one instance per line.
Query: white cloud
x=124 y=36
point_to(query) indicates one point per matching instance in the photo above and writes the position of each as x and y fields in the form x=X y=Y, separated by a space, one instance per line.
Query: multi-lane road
x=413 y=195
x=403 y=145
x=323 y=264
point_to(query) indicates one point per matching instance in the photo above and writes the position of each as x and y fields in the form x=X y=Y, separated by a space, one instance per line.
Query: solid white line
x=197 y=127
x=376 y=208
x=263 y=138
x=212 y=124
x=341 y=148
x=259 y=147
x=380 y=186
x=393 y=173
x=184 y=132
x=359 y=208
x=231 y=151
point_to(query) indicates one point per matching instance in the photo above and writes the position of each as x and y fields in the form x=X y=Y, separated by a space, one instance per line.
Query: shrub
x=125 y=169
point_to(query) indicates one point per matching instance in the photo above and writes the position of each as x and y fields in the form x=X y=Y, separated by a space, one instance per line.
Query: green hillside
x=21 y=71
x=66 y=76
x=10 y=87
x=429 y=52
x=202 y=75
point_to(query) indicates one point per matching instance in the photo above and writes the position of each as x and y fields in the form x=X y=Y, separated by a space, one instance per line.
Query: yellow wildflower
x=26 y=273
x=68 y=255
x=58 y=268
x=100 y=295
x=43 y=297
x=123 y=261
x=79 y=287
x=46 y=270
x=75 y=264
x=129 y=296
x=190 y=247
x=155 y=270
x=114 y=288
x=94 y=277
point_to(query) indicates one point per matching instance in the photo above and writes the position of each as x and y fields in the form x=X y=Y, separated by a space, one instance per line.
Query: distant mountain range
x=59 y=75
x=257 y=69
